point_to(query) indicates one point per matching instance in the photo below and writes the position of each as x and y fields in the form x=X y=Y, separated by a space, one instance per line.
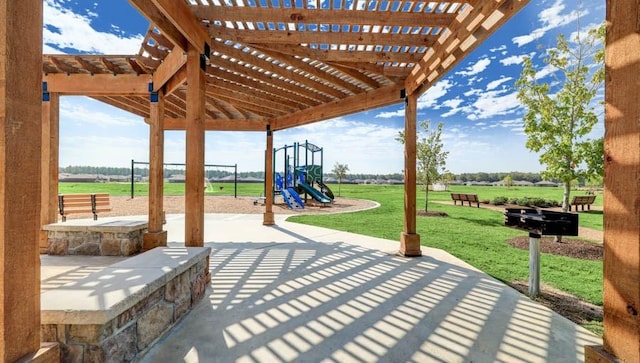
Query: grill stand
x=534 y=264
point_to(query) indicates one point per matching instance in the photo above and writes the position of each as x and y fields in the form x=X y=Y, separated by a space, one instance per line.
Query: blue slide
x=292 y=198
x=315 y=194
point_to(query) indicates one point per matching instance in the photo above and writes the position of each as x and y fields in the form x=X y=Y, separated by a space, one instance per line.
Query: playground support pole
x=268 y=218
x=409 y=239
x=132 y=178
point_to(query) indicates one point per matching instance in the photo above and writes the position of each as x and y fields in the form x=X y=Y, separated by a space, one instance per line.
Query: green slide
x=315 y=194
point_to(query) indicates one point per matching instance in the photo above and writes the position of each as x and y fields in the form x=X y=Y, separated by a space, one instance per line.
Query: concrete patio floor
x=295 y=293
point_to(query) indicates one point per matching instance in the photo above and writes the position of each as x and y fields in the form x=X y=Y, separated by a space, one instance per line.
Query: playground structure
x=297 y=178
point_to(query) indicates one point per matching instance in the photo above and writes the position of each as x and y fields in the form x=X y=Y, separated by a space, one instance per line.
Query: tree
x=561 y=114
x=340 y=170
x=431 y=159
x=507 y=181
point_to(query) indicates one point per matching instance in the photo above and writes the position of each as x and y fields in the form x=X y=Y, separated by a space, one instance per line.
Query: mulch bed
x=580 y=312
x=575 y=248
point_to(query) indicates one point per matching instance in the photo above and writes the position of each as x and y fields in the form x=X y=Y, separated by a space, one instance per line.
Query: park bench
x=470 y=198
x=582 y=200
x=83 y=203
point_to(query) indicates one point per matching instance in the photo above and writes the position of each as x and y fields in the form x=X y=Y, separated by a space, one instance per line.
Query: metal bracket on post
x=153 y=96
x=46 y=96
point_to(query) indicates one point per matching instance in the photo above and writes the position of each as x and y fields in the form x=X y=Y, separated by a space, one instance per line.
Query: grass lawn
x=140 y=189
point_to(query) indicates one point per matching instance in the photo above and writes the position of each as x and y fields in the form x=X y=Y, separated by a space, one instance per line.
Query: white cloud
x=391 y=114
x=545 y=71
x=494 y=103
x=497 y=49
x=64 y=29
x=550 y=18
x=430 y=98
x=476 y=68
x=85 y=115
x=454 y=105
x=494 y=84
x=515 y=59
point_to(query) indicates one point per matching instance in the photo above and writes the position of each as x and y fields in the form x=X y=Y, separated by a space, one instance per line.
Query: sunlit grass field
x=477 y=236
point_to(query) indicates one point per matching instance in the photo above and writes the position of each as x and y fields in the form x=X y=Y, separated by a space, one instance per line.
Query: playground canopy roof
x=283 y=63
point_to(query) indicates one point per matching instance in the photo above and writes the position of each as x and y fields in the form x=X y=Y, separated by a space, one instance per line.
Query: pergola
x=211 y=66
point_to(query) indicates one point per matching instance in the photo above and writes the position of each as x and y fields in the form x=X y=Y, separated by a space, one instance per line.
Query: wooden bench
x=582 y=200
x=83 y=203
x=470 y=198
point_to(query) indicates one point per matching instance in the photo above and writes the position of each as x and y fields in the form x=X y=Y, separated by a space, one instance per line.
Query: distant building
x=546 y=184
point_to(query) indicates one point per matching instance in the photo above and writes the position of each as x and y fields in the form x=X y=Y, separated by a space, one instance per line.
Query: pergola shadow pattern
x=310 y=301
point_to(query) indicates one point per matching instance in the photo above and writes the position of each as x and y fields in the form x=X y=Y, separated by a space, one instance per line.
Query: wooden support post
x=49 y=163
x=409 y=239
x=268 y=219
x=155 y=236
x=194 y=178
x=20 y=180
x=622 y=189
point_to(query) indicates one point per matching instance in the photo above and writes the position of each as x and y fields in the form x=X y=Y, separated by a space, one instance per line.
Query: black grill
x=540 y=222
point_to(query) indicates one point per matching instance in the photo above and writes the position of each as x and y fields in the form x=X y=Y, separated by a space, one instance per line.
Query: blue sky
x=475 y=101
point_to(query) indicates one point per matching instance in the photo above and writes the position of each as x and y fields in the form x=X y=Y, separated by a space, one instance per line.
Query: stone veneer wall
x=107 y=237
x=128 y=336
x=93 y=243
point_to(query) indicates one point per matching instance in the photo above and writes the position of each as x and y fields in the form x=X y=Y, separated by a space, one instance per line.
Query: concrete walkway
x=295 y=293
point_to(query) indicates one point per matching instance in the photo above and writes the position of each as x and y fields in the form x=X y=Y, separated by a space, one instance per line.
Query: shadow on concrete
x=308 y=301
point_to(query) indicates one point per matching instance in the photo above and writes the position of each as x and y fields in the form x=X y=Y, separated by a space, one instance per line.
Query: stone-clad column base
x=410 y=245
x=597 y=354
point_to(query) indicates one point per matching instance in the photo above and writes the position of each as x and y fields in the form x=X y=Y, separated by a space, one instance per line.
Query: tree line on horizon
x=144 y=172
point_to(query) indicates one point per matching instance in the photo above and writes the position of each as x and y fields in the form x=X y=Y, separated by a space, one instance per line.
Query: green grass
x=124 y=189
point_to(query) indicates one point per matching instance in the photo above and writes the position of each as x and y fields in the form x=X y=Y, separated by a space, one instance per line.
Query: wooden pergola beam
x=312 y=70
x=298 y=37
x=170 y=68
x=182 y=18
x=321 y=16
x=365 y=101
x=155 y=16
x=180 y=124
x=471 y=28
x=349 y=56
x=98 y=84
x=251 y=57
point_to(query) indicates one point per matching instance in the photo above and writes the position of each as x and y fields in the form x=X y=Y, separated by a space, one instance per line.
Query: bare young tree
x=431 y=158
x=340 y=170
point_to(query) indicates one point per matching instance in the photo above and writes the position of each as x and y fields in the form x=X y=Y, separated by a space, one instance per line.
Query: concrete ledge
x=120 y=312
x=88 y=225
x=104 y=295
